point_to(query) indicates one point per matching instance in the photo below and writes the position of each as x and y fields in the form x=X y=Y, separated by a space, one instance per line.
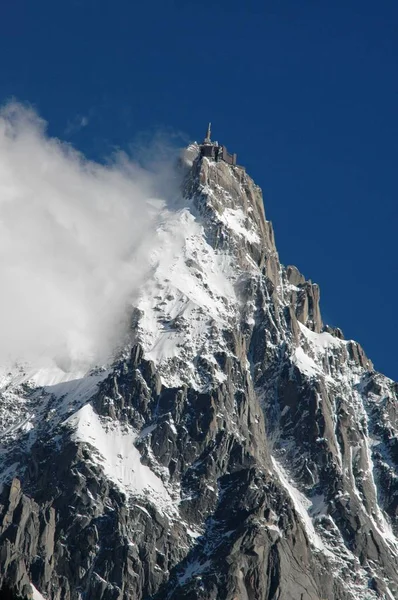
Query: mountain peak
x=237 y=436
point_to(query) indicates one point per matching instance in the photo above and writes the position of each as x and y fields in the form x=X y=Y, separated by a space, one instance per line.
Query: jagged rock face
x=239 y=450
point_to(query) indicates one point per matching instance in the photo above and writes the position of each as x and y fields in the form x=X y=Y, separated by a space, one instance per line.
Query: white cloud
x=74 y=241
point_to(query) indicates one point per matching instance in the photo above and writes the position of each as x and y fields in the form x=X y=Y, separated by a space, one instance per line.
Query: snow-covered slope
x=186 y=304
x=238 y=449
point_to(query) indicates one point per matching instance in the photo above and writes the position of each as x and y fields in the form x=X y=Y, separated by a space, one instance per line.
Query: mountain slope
x=238 y=449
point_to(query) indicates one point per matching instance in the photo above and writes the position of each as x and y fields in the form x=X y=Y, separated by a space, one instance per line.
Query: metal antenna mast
x=208 y=134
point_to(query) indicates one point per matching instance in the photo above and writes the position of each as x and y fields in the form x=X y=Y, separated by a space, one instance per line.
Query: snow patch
x=301 y=504
x=118 y=457
x=321 y=340
x=194 y=569
x=305 y=363
x=236 y=221
x=36 y=595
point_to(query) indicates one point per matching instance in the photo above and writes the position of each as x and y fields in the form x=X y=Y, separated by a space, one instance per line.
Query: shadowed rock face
x=6 y=593
x=239 y=449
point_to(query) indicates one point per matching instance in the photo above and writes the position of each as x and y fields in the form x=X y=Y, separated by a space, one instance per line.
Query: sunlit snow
x=115 y=452
x=36 y=594
x=189 y=296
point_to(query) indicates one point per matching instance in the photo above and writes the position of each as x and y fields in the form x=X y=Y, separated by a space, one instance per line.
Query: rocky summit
x=237 y=449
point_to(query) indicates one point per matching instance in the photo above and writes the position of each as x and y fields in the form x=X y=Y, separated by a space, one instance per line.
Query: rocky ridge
x=239 y=449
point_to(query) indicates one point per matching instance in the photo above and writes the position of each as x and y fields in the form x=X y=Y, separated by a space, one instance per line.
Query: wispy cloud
x=76 y=124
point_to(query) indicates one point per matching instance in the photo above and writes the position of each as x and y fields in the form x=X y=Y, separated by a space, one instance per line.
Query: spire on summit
x=207 y=139
x=215 y=151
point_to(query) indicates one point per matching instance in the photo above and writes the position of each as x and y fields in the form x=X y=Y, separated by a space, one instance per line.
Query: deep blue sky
x=306 y=92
